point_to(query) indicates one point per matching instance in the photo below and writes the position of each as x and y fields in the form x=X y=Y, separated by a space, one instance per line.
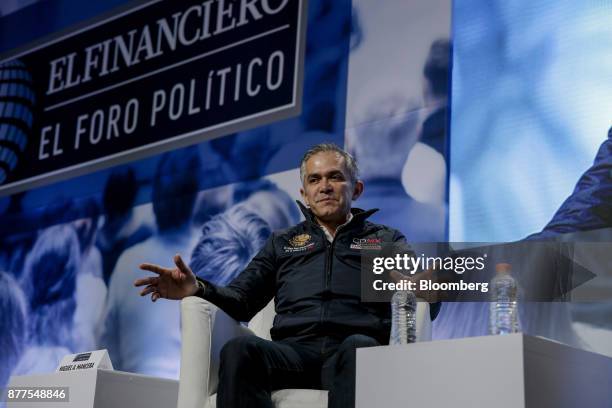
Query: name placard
x=90 y=360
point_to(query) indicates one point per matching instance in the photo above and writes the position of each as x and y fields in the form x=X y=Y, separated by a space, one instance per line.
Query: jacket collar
x=358 y=214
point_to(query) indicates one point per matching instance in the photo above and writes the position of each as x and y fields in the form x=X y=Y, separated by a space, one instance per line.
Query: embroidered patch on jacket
x=366 y=243
x=298 y=243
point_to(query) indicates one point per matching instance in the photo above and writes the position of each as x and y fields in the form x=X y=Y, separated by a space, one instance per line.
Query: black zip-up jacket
x=316 y=284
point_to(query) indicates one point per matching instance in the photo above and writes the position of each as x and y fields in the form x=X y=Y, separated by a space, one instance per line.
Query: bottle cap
x=503 y=268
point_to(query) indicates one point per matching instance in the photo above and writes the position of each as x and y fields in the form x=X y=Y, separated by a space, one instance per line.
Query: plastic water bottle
x=403 y=317
x=503 y=309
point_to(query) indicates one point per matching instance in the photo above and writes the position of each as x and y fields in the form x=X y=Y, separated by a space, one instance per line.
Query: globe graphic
x=16 y=106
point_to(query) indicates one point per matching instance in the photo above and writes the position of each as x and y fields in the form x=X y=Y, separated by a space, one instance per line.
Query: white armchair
x=205 y=329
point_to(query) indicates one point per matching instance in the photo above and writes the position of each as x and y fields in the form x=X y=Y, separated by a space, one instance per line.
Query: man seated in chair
x=313 y=272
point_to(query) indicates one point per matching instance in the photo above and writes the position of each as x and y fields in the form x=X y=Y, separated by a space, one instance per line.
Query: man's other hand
x=170 y=283
x=431 y=296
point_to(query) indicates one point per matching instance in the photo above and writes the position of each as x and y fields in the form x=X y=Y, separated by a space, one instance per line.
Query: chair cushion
x=291 y=398
x=300 y=398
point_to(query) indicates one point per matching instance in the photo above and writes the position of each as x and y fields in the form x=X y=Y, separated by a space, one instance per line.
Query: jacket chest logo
x=299 y=243
x=366 y=243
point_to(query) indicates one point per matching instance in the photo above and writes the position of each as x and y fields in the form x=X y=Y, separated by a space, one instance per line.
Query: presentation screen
x=531 y=152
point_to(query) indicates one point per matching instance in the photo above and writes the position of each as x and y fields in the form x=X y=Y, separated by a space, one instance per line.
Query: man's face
x=327 y=189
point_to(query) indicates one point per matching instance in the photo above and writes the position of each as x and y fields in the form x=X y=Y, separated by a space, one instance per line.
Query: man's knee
x=239 y=351
x=347 y=349
x=358 y=340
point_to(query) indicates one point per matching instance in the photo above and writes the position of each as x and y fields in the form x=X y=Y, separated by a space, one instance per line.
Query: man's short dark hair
x=350 y=162
x=175 y=188
x=436 y=68
x=120 y=192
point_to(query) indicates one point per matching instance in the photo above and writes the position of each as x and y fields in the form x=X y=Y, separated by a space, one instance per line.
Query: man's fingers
x=155 y=296
x=397 y=276
x=428 y=274
x=151 y=280
x=160 y=270
x=430 y=296
x=147 y=290
x=181 y=264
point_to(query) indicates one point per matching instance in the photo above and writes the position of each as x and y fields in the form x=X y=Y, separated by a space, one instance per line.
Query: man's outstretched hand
x=170 y=283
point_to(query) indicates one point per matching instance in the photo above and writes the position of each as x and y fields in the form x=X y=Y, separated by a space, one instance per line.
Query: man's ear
x=304 y=199
x=358 y=189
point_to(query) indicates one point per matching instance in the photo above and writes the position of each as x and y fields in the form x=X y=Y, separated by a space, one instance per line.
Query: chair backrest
x=262 y=322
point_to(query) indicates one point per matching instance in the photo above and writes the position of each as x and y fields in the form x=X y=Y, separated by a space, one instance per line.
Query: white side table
x=512 y=371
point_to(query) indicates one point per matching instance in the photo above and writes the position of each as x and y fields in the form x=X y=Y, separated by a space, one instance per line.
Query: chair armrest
x=423 y=321
x=204 y=331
